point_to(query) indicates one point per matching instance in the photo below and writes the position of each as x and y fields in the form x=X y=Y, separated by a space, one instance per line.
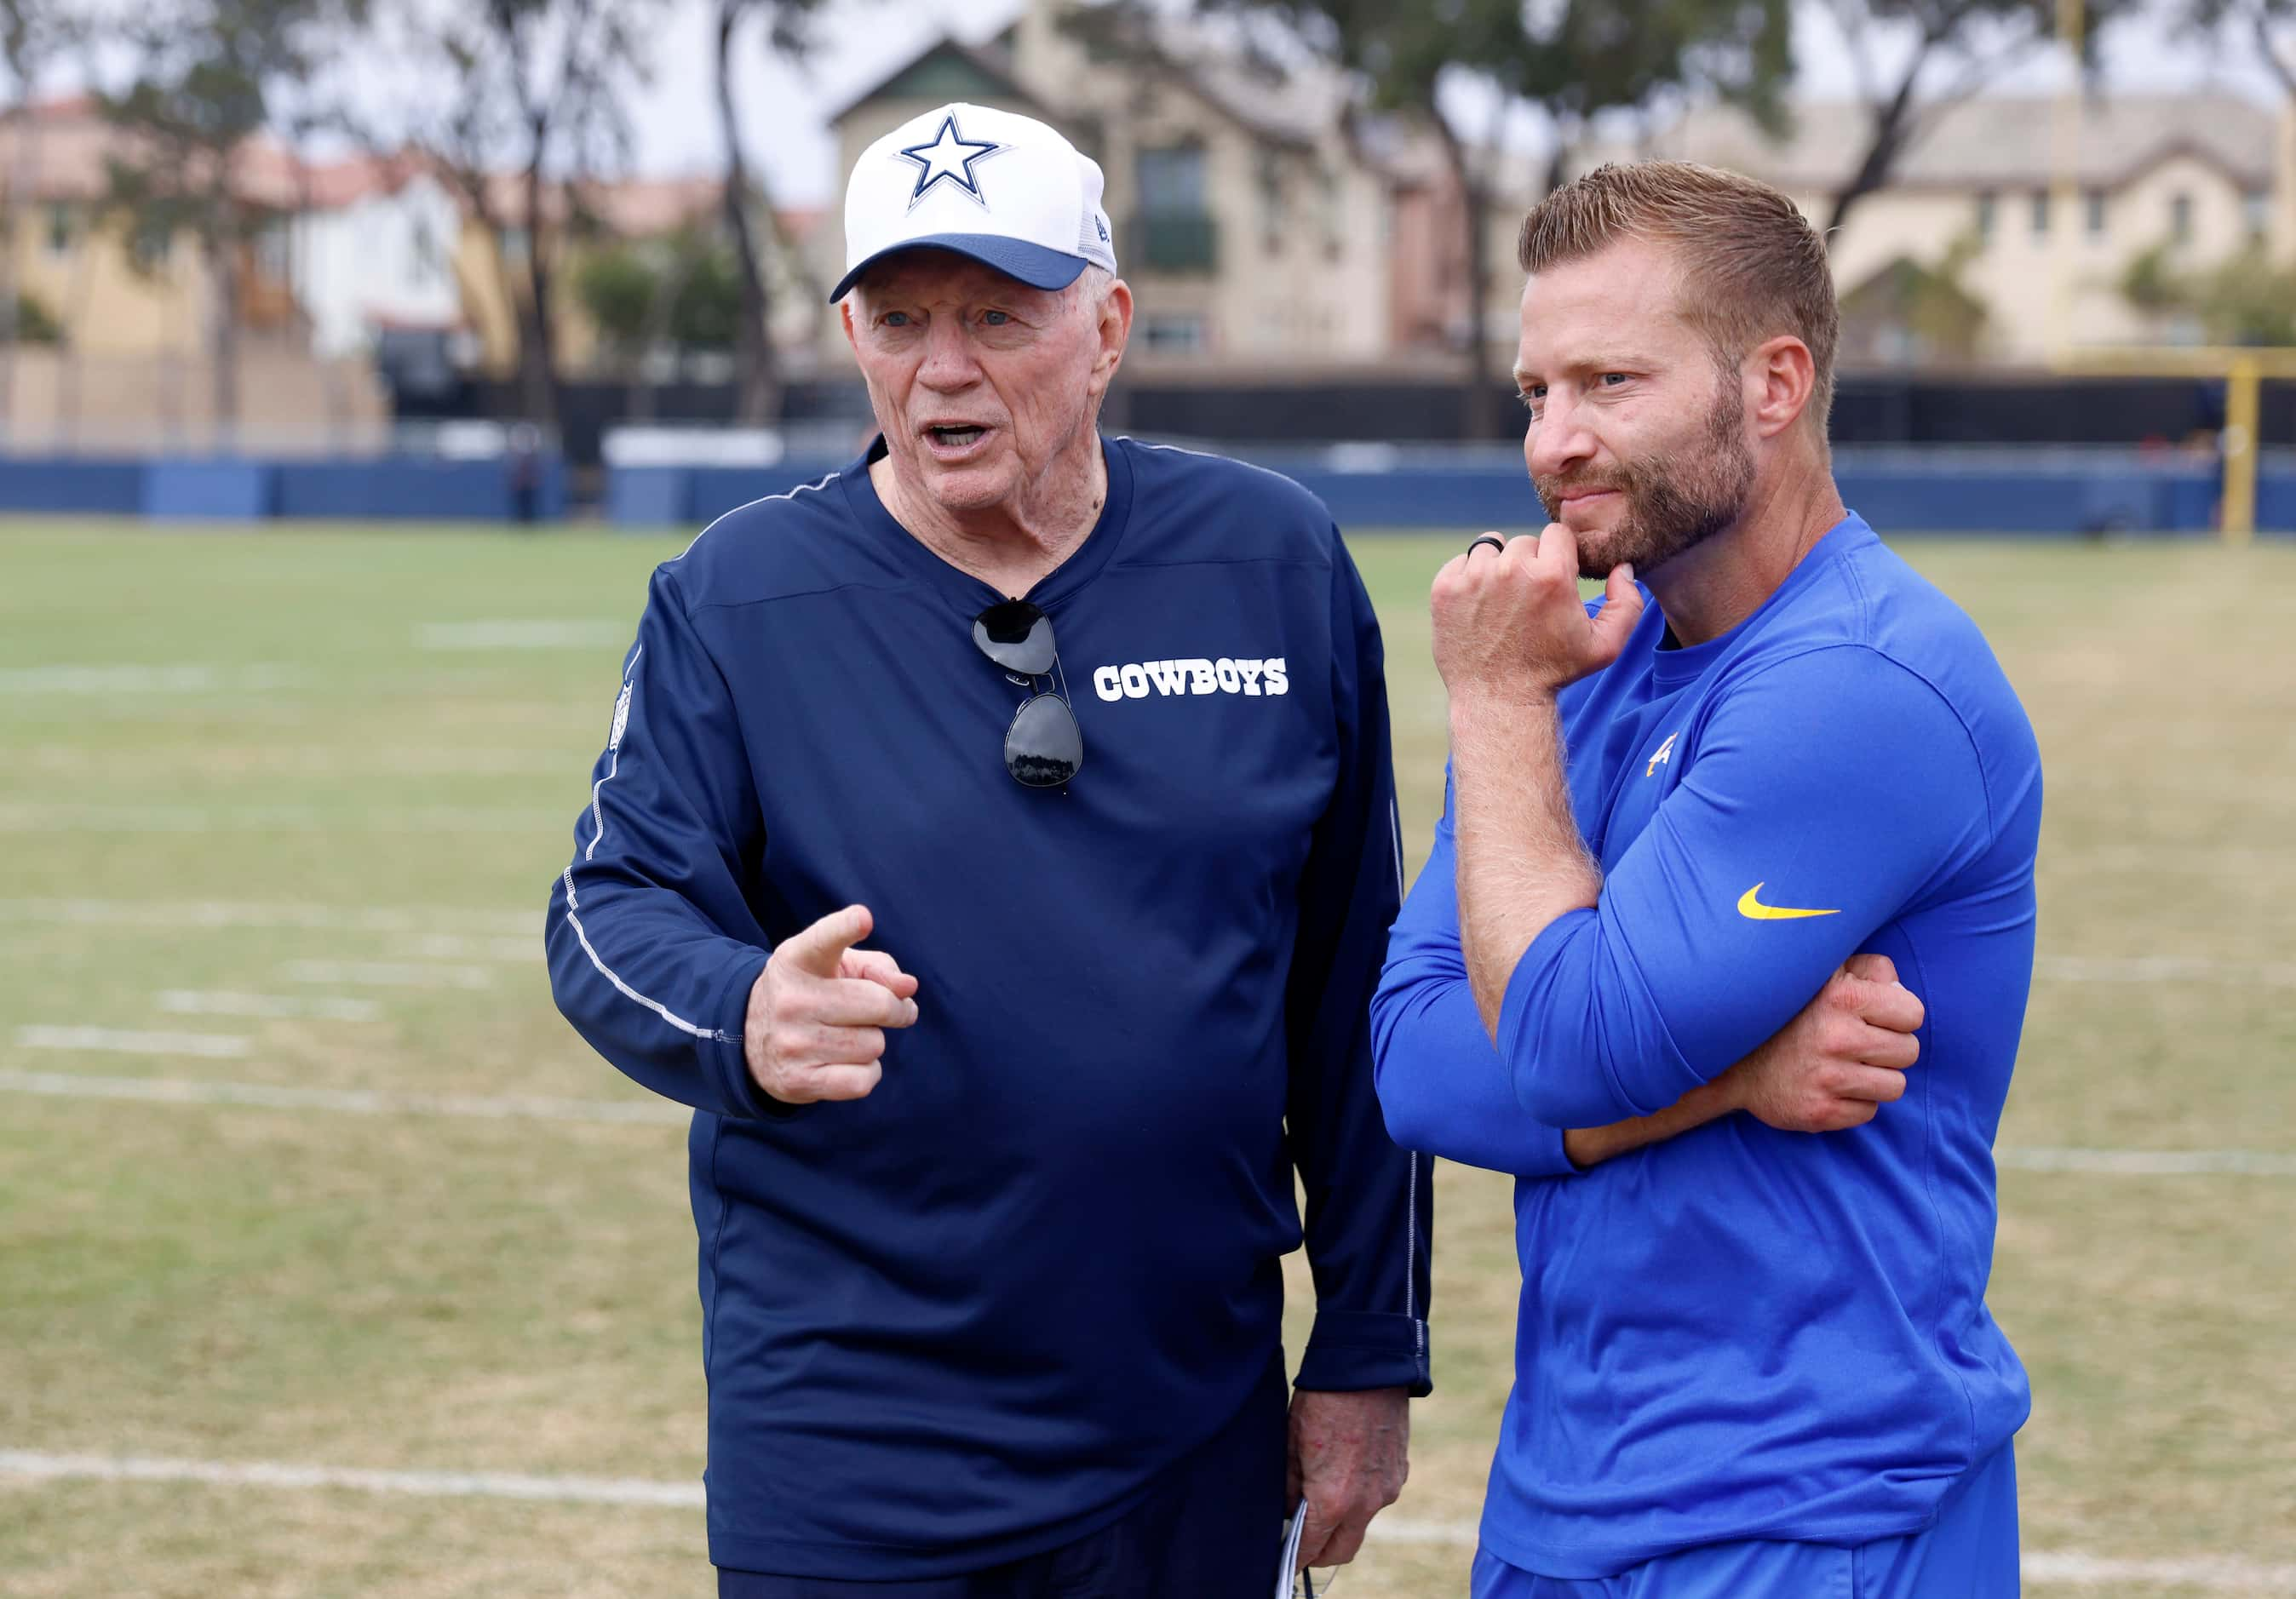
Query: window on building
x=1273 y=217
x=514 y=245
x=424 y=260
x=1174 y=231
x=2096 y=214
x=1332 y=201
x=1171 y=181
x=1985 y=203
x=2040 y=210
x=148 y=249
x=2256 y=212
x=59 y=229
x=1175 y=335
x=272 y=254
x=2180 y=217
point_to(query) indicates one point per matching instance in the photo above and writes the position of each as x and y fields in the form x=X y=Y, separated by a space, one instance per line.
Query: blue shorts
x=1970 y=1552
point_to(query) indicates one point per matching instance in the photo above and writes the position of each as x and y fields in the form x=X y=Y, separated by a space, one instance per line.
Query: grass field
x=313 y=774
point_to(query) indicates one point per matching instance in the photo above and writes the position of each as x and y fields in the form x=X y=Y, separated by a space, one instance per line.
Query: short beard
x=1675 y=500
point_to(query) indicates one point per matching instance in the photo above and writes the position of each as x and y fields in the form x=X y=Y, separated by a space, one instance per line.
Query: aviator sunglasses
x=1043 y=748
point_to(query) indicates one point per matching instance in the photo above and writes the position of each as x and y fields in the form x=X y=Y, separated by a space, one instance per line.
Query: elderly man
x=1088 y=741
x=1749 y=1364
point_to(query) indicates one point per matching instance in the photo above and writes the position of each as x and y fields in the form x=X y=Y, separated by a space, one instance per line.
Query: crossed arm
x=1638 y=1007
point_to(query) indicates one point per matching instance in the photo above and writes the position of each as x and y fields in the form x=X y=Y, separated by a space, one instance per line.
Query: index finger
x=821 y=948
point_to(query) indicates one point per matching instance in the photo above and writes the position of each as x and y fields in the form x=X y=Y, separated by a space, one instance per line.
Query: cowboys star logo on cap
x=949 y=156
x=918 y=187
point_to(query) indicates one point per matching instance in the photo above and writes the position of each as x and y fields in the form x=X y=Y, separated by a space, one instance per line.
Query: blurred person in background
x=1772 y=762
x=1088 y=740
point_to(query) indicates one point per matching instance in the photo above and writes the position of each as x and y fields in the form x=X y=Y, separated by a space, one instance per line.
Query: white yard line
x=461 y=947
x=592 y=634
x=2164 y=969
x=211 y=1002
x=120 y=1041
x=355 y=760
x=133 y=679
x=171 y=913
x=452 y=1485
x=2206 y=1573
x=391 y=974
x=2103 y=1162
x=274 y=818
x=2150 y=1163
x=356 y=1101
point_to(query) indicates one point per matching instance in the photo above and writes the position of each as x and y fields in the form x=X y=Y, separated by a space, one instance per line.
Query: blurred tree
x=206 y=71
x=2267 y=26
x=2248 y=299
x=28 y=319
x=676 y=296
x=526 y=95
x=1572 y=60
x=1966 y=43
x=756 y=365
x=617 y=287
x=33 y=35
x=1912 y=312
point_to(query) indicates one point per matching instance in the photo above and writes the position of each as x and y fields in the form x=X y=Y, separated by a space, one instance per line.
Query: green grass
x=392 y=1292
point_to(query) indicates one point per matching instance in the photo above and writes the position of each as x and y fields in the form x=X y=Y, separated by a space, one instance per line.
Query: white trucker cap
x=1000 y=187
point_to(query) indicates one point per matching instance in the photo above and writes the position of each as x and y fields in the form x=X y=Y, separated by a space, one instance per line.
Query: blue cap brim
x=1032 y=263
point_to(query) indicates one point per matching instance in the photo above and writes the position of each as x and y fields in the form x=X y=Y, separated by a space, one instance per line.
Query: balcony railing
x=1177 y=241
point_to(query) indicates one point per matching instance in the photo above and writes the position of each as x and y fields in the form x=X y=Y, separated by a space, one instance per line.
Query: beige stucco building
x=2047 y=241
x=1258 y=223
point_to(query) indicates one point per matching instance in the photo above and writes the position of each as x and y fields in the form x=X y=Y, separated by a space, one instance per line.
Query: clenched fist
x=818 y=1011
x=1840 y=1061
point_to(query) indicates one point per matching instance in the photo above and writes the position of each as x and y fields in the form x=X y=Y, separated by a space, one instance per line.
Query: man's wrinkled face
x=978 y=382
x=1637 y=434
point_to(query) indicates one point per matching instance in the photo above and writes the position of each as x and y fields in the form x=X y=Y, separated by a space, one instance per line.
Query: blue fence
x=2005 y=490
x=383 y=489
x=1941 y=491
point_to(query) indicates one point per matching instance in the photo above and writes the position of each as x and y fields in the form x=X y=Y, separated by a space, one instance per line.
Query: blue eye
x=1609 y=376
x=897 y=319
x=995 y=319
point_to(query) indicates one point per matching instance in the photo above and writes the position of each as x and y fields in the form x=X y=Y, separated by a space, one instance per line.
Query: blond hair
x=1753 y=265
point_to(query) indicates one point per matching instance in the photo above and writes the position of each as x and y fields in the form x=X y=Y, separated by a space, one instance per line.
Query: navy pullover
x=971 y=1316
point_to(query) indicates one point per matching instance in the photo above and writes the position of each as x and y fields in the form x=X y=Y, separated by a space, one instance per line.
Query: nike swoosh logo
x=1754 y=910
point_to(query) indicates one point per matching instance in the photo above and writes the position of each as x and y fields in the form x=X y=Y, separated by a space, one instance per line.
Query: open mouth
x=954 y=436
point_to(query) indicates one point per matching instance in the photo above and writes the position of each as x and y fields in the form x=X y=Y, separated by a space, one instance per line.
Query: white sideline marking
x=521 y=636
x=459 y=946
x=2212 y=1573
x=355 y=1102
x=218 y=913
x=359 y=760
x=120 y=1041
x=391 y=974
x=211 y=1002
x=2209 y=1573
x=260 y=1473
x=2164 y=969
x=140 y=679
x=274 y=818
x=2151 y=1162
x=2108 y=1162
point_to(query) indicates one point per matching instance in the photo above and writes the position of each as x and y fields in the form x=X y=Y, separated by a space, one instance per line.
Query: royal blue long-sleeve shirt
x=1740 y=1332
x=972 y=1315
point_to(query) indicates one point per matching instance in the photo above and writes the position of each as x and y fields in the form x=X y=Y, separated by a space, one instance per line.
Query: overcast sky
x=860 y=40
